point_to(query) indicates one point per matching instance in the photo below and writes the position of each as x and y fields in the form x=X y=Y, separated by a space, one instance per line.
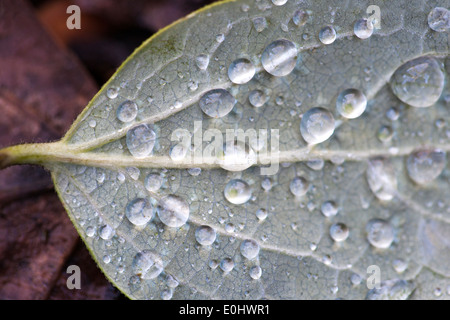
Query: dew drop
x=418 y=82
x=327 y=35
x=173 y=211
x=381 y=178
x=220 y=38
x=255 y=272
x=261 y=214
x=92 y=123
x=317 y=125
x=355 y=279
x=299 y=186
x=400 y=265
x=392 y=114
x=425 y=166
x=385 y=134
x=205 y=235
x=241 y=71
x=329 y=209
x=153 y=182
x=139 y=211
x=112 y=93
x=339 y=232
x=127 y=111
x=227 y=265
x=166 y=294
x=280 y=57
x=147 y=265
x=257 y=98
x=106 y=232
x=140 y=141
x=249 y=249
x=259 y=23
x=90 y=231
x=300 y=17
x=194 y=171
x=380 y=233
x=106 y=259
x=351 y=103
x=439 y=19
x=217 y=103
x=266 y=184
x=237 y=191
x=202 y=61
x=315 y=164
x=363 y=29
x=279 y=2
x=229 y=227
x=178 y=152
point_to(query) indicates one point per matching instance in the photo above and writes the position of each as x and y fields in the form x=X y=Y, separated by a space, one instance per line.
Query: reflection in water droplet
x=237 y=191
x=418 y=82
x=217 y=103
x=202 y=61
x=205 y=235
x=153 y=182
x=127 y=111
x=280 y=57
x=380 y=233
x=260 y=23
x=241 y=71
x=363 y=29
x=173 y=211
x=439 y=19
x=147 y=265
x=300 y=17
x=257 y=98
x=227 y=265
x=255 y=272
x=106 y=232
x=381 y=178
x=317 y=125
x=351 y=103
x=139 y=211
x=391 y=290
x=425 y=165
x=140 y=141
x=249 y=249
x=327 y=35
x=339 y=232
x=299 y=186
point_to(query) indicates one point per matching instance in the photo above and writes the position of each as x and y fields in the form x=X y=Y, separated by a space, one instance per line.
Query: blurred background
x=48 y=74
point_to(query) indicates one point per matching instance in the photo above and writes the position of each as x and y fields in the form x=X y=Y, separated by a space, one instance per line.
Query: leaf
x=367 y=193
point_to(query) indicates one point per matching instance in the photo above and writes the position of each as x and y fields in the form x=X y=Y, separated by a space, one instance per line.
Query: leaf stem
x=33 y=153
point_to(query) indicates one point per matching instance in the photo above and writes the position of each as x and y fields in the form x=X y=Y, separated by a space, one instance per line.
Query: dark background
x=48 y=74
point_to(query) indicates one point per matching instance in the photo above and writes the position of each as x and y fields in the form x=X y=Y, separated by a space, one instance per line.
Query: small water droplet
x=178 y=152
x=425 y=166
x=299 y=186
x=147 y=265
x=327 y=35
x=237 y=191
x=139 y=211
x=166 y=294
x=380 y=233
x=259 y=23
x=90 y=231
x=280 y=57
x=106 y=232
x=173 y=211
x=255 y=272
x=317 y=125
x=92 y=123
x=300 y=17
x=205 y=235
x=329 y=209
x=227 y=265
x=112 y=93
x=202 y=61
x=439 y=19
x=241 y=71
x=279 y=2
x=217 y=103
x=220 y=38
x=194 y=171
x=400 y=265
x=381 y=178
x=257 y=98
x=266 y=184
x=229 y=227
x=315 y=164
x=355 y=279
x=153 y=182
x=140 y=141
x=385 y=134
x=363 y=29
x=393 y=114
x=351 y=103
x=261 y=214
x=339 y=232
x=106 y=259
x=127 y=111
x=249 y=249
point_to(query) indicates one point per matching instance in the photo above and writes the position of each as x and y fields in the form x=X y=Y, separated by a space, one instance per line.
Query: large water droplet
x=381 y=178
x=139 y=211
x=439 y=19
x=106 y=232
x=249 y=249
x=153 y=182
x=351 y=103
x=380 y=233
x=202 y=61
x=217 y=103
x=147 y=265
x=391 y=290
x=140 y=141
x=327 y=35
x=205 y=235
x=299 y=186
x=280 y=57
x=237 y=156
x=418 y=82
x=363 y=29
x=237 y=191
x=241 y=71
x=339 y=232
x=173 y=211
x=317 y=125
x=127 y=111
x=425 y=165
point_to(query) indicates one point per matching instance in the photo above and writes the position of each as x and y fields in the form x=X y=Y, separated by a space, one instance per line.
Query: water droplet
x=339 y=232
x=439 y=19
x=317 y=125
x=202 y=61
x=418 y=82
x=279 y=2
x=237 y=191
x=300 y=17
x=90 y=231
x=363 y=29
x=153 y=182
x=140 y=141
x=299 y=186
x=381 y=178
x=220 y=38
x=127 y=111
x=255 y=272
x=280 y=57
x=112 y=93
x=178 y=152
x=92 y=123
x=385 y=134
x=241 y=71
x=391 y=290
x=236 y=156
x=166 y=294
x=133 y=172
x=425 y=165
x=257 y=98
x=351 y=103
x=173 y=211
x=260 y=23
x=229 y=227
x=106 y=259
x=147 y=265
x=205 y=235
x=266 y=184
x=329 y=209
x=249 y=249
x=227 y=264
x=172 y=282
x=380 y=233
x=400 y=265
x=139 y=211
x=261 y=214
x=315 y=164
x=106 y=232
x=355 y=279
x=245 y=7
x=217 y=103
x=393 y=114
x=327 y=35
x=194 y=171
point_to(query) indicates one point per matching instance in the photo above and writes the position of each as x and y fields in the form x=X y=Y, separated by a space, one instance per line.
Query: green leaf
x=163 y=218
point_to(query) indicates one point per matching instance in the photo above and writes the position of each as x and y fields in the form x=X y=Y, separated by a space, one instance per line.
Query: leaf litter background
x=285 y=275
x=48 y=75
